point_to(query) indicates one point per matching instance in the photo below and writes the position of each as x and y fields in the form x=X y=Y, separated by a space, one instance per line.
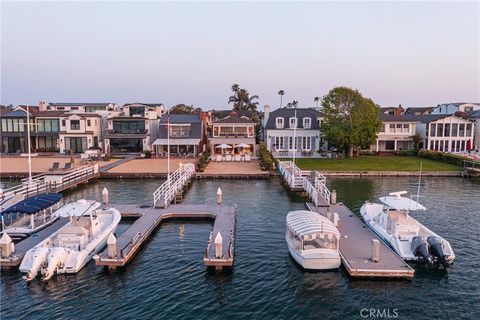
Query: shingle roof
x=419 y=109
x=220 y=114
x=79 y=104
x=181 y=118
x=234 y=119
x=474 y=114
x=144 y=104
x=49 y=113
x=15 y=114
x=410 y=117
x=287 y=113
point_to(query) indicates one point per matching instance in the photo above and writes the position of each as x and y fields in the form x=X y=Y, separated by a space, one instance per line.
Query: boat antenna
x=295 y=136
x=419 y=182
x=168 y=146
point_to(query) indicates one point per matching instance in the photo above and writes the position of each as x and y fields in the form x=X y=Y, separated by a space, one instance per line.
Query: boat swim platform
x=356 y=247
x=149 y=218
x=26 y=244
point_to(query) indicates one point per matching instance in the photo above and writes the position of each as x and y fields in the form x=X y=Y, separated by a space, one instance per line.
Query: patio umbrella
x=243 y=145
x=223 y=146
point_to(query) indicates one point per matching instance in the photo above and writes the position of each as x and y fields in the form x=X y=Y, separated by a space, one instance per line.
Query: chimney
x=42 y=106
x=399 y=110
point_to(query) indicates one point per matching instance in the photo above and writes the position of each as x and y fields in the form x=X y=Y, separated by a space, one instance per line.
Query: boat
x=30 y=215
x=71 y=247
x=313 y=240
x=410 y=239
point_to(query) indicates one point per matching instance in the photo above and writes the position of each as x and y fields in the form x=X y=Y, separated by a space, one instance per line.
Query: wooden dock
x=356 y=247
x=173 y=188
x=129 y=242
x=23 y=246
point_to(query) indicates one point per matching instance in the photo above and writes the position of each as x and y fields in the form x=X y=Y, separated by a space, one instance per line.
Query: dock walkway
x=23 y=246
x=129 y=242
x=356 y=247
x=173 y=187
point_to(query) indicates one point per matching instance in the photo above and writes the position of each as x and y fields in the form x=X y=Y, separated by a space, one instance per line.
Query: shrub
x=203 y=161
x=148 y=154
x=266 y=159
x=441 y=156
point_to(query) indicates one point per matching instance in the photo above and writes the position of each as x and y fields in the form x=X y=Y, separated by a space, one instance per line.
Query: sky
x=409 y=53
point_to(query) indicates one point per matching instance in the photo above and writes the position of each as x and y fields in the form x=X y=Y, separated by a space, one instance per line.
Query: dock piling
x=375 y=250
x=333 y=197
x=218 y=245
x=6 y=245
x=219 y=196
x=112 y=246
x=335 y=219
x=105 y=195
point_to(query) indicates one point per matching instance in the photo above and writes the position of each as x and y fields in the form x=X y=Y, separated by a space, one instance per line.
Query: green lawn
x=374 y=163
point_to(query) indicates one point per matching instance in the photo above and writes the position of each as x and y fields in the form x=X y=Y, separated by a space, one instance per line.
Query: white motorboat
x=313 y=240
x=410 y=239
x=31 y=215
x=72 y=246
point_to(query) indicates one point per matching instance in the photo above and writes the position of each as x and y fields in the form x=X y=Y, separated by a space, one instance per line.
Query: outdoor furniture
x=228 y=158
x=55 y=166
x=238 y=158
x=247 y=157
x=219 y=158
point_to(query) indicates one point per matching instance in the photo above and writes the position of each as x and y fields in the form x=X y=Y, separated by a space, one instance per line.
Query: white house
x=451 y=108
x=279 y=130
x=79 y=131
x=396 y=133
x=475 y=116
x=448 y=134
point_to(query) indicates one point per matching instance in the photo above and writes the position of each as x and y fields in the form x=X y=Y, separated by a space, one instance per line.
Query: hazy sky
x=409 y=53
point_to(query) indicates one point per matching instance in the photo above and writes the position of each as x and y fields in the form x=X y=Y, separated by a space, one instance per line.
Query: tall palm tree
x=295 y=103
x=281 y=93
x=316 y=99
x=243 y=101
x=235 y=88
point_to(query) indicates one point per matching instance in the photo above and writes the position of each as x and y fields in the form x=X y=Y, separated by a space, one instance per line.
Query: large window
x=433 y=130
x=48 y=125
x=306 y=143
x=279 y=143
x=139 y=111
x=454 y=129
x=47 y=144
x=13 y=125
x=461 y=131
x=293 y=122
x=279 y=123
x=468 y=131
x=440 y=130
x=77 y=144
x=446 y=130
x=129 y=126
x=307 y=123
x=75 y=124
x=179 y=131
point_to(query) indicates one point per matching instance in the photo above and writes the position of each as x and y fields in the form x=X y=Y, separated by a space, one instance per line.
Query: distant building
x=187 y=136
x=418 y=111
x=475 y=116
x=279 y=131
x=396 y=133
x=452 y=108
x=14 y=131
x=392 y=110
x=79 y=131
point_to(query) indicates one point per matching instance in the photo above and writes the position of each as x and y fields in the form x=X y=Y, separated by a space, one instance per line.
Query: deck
x=356 y=248
x=23 y=246
x=129 y=242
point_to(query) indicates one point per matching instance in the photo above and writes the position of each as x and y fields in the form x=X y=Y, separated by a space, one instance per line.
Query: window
x=279 y=143
x=64 y=123
x=180 y=131
x=129 y=126
x=279 y=122
x=290 y=142
x=392 y=128
x=446 y=130
x=48 y=125
x=461 y=131
x=406 y=128
x=467 y=109
x=293 y=122
x=440 y=130
x=307 y=123
x=89 y=123
x=433 y=130
x=13 y=125
x=399 y=128
x=468 y=131
x=454 y=129
x=75 y=124
x=382 y=128
x=306 y=143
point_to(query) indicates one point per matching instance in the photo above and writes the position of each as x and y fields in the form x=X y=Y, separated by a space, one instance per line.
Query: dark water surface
x=167 y=279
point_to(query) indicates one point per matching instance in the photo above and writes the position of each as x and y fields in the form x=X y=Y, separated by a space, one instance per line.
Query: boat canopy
x=396 y=201
x=304 y=223
x=34 y=204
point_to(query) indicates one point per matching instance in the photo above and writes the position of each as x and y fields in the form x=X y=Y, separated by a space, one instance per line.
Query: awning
x=34 y=204
x=395 y=201
x=174 y=142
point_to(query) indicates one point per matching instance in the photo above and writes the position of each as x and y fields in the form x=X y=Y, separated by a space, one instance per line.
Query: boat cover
x=304 y=223
x=397 y=202
x=34 y=204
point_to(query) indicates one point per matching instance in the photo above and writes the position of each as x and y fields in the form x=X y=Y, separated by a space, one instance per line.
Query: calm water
x=167 y=279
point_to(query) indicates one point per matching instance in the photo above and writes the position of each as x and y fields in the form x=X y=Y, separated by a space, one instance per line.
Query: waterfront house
x=418 y=111
x=475 y=117
x=187 y=136
x=79 y=131
x=232 y=130
x=14 y=131
x=446 y=133
x=46 y=133
x=279 y=131
x=392 y=110
x=396 y=133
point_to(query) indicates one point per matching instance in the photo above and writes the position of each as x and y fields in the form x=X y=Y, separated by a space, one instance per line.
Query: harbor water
x=167 y=279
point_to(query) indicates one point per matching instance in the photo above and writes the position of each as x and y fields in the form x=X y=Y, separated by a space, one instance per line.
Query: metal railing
x=164 y=195
x=313 y=182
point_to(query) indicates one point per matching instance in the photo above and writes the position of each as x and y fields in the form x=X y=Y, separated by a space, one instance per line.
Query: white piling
x=329 y=215
x=333 y=197
x=375 y=250
x=111 y=246
x=219 y=196
x=105 y=195
x=218 y=245
x=6 y=245
x=336 y=219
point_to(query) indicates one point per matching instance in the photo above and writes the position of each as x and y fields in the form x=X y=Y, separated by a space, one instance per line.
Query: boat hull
x=326 y=260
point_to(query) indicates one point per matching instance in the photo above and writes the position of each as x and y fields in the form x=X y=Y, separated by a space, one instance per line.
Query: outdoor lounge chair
x=247 y=157
x=228 y=158
x=55 y=166
x=219 y=158
x=238 y=158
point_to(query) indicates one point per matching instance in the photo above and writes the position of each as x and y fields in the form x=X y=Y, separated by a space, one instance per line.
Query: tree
x=292 y=104
x=350 y=120
x=316 y=99
x=182 y=109
x=417 y=139
x=281 y=93
x=242 y=100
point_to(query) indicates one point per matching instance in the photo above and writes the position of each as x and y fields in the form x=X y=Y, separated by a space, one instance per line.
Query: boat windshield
x=321 y=241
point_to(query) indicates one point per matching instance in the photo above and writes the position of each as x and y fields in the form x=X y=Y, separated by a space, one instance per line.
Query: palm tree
x=243 y=101
x=316 y=99
x=295 y=103
x=235 y=88
x=281 y=93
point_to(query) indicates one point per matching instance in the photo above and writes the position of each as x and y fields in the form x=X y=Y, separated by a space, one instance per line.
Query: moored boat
x=313 y=240
x=70 y=248
x=410 y=239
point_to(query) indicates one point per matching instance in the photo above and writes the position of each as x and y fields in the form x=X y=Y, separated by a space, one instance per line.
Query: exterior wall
x=395 y=137
x=271 y=140
x=442 y=136
x=449 y=108
x=91 y=132
x=220 y=129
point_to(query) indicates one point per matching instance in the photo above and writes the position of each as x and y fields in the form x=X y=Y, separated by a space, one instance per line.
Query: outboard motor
x=436 y=248
x=420 y=249
x=56 y=258
x=38 y=259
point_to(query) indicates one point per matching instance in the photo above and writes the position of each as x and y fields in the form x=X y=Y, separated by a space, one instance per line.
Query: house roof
x=287 y=113
x=181 y=118
x=15 y=114
x=220 y=114
x=234 y=119
x=144 y=104
x=127 y=118
x=79 y=104
x=49 y=113
x=474 y=114
x=419 y=109
x=410 y=117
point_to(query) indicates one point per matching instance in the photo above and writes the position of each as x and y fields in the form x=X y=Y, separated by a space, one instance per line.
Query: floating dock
x=23 y=246
x=356 y=238
x=149 y=218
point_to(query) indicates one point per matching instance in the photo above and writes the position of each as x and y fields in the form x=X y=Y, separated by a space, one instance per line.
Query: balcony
x=137 y=133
